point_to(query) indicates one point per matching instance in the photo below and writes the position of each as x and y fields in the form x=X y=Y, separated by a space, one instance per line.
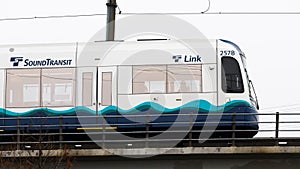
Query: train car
x=134 y=85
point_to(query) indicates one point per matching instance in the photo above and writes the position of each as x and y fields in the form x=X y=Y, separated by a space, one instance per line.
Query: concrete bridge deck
x=267 y=157
x=140 y=152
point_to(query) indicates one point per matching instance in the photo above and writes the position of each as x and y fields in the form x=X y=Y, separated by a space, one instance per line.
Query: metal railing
x=113 y=131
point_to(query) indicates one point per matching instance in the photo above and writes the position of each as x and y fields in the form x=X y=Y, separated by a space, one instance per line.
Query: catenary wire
x=174 y=13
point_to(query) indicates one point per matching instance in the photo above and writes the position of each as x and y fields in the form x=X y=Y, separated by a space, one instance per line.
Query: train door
x=87 y=95
x=107 y=93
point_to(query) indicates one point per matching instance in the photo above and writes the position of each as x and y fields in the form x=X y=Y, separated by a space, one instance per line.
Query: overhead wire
x=172 y=13
x=207 y=8
x=51 y=17
x=99 y=14
x=205 y=12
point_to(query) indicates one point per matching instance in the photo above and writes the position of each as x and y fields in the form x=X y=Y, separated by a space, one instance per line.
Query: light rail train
x=150 y=81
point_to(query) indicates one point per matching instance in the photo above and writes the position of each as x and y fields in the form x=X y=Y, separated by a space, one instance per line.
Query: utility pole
x=110 y=23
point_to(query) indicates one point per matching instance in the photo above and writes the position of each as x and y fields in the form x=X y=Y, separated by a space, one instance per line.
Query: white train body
x=125 y=75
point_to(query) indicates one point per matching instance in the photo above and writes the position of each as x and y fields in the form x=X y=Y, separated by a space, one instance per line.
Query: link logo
x=16 y=60
x=187 y=58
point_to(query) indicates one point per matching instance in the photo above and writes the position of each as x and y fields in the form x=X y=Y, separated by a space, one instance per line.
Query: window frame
x=41 y=86
x=90 y=100
x=223 y=77
x=166 y=74
x=149 y=90
x=187 y=68
x=7 y=92
x=102 y=89
x=73 y=91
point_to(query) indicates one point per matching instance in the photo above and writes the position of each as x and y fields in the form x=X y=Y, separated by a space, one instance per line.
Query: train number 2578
x=227 y=52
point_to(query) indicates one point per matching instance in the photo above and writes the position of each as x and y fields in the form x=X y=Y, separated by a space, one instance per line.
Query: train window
x=184 y=78
x=106 y=88
x=87 y=88
x=23 y=88
x=58 y=87
x=149 y=79
x=232 y=81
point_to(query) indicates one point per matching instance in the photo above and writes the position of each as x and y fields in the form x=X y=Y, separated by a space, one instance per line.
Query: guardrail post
x=190 y=129
x=60 y=131
x=233 y=128
x=18 y=133
x=277 y=128
x=147 y=130
x=103 y=131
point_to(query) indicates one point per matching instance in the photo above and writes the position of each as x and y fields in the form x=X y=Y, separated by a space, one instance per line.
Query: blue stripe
x=197 y=105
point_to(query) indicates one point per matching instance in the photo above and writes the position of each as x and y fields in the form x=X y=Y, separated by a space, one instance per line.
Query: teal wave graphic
x=199 y=105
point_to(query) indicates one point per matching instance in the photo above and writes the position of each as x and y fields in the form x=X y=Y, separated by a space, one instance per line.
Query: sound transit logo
x=177 y=58
x=39 y=63
x=16 y=60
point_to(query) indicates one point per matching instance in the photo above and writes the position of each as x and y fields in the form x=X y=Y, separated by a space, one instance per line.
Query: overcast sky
x=270 y=42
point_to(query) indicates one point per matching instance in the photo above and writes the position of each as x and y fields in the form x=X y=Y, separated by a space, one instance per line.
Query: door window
x=106 y=88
